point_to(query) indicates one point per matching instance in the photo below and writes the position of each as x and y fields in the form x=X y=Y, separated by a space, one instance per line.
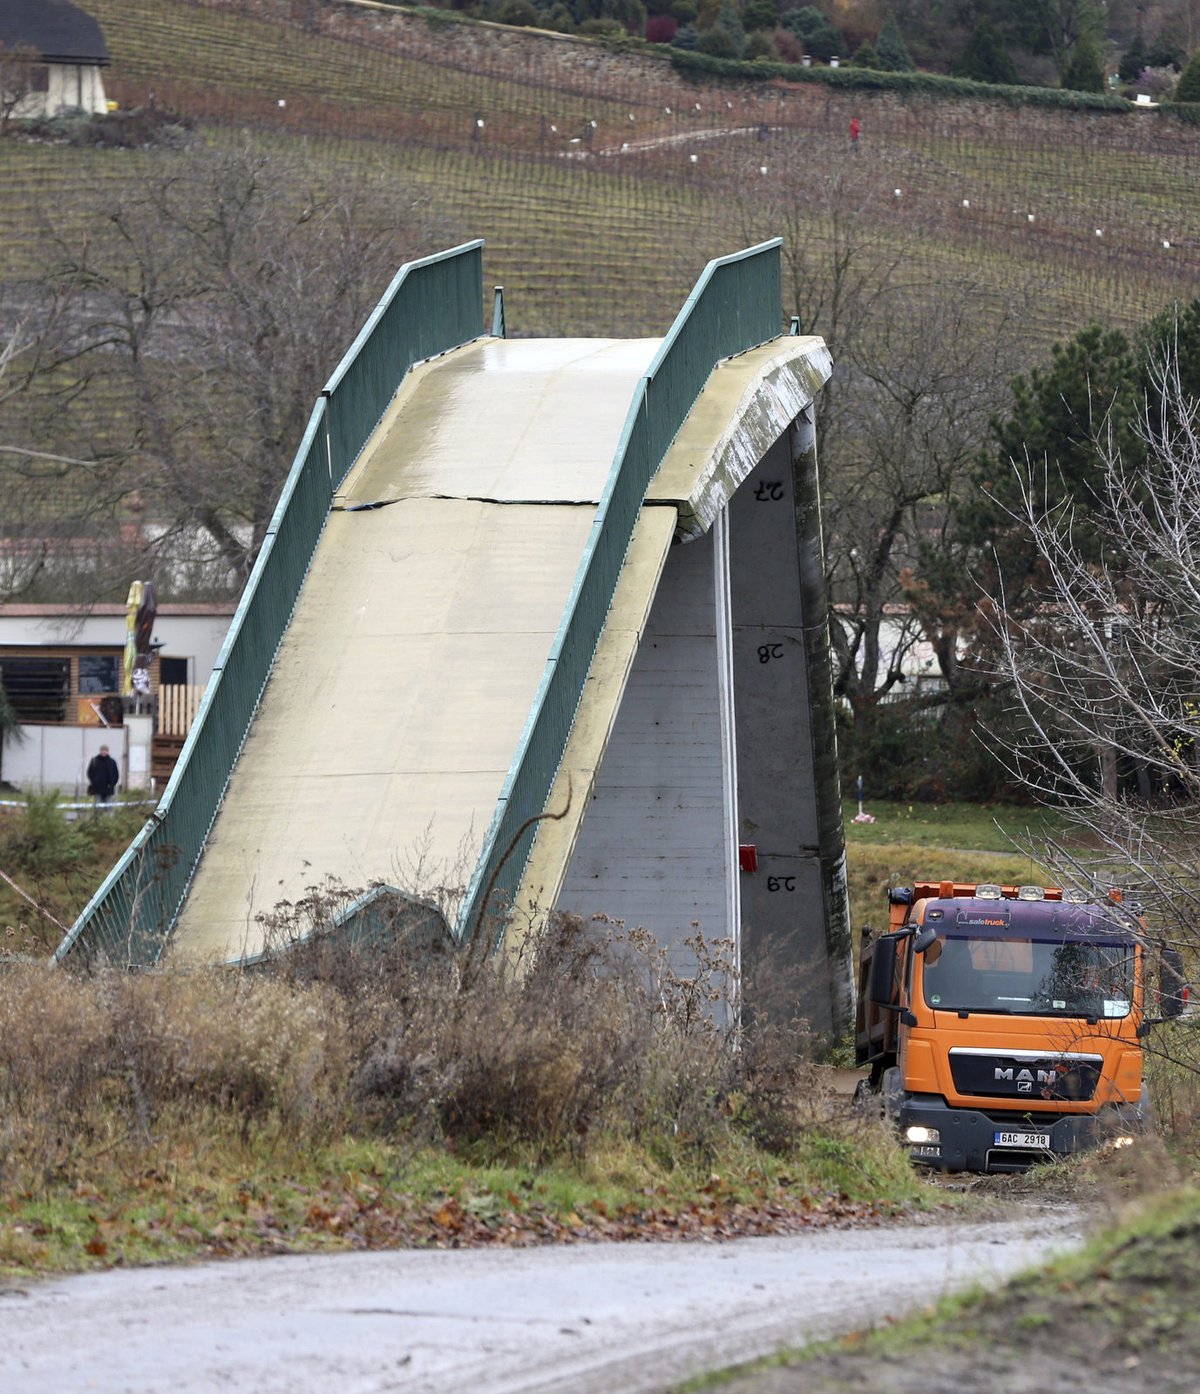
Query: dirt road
x=612 y=1318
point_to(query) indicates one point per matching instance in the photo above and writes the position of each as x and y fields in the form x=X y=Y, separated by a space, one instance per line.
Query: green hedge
x=695 y=64
x=1187 y=112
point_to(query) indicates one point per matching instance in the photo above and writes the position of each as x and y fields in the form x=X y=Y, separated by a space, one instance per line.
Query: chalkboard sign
x=99 y=673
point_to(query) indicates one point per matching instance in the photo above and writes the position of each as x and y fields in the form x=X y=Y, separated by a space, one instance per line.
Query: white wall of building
x=70 y=87
x=75 y=86
x=195 y=633
x=57 y=757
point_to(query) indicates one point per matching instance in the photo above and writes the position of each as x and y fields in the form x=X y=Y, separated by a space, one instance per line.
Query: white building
x=67 y=54
x=61 y=670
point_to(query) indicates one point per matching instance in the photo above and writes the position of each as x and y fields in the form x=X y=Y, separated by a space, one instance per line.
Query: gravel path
x=605 y=1317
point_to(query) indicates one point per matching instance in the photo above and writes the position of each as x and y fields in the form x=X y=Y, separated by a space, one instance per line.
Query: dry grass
x=591 y=1038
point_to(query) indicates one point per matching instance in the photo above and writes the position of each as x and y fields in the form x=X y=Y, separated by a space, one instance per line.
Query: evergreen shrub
x=1189 y=83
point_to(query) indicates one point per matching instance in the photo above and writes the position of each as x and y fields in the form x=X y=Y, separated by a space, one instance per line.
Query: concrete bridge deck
x=408 y=671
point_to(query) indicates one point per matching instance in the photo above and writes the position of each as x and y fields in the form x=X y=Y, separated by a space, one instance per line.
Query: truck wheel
x=893 y=1093
x=1145 y=1111
x=866 y=1098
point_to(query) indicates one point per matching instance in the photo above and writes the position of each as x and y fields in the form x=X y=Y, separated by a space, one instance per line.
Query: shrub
x=1085 y=71
x=984 y=57
x=914 y=84
x=661 y=29
x=865 y=56
x=133 y=129
x=519 y=14
x=761 y=45
x=787 y=45
x=1157 y=82
x=582 y=1033
x=1188 y=88
x=905 y=751
x=717 y=42
x=603 y=28
x=586 y=1039
x=41 y=840
x=819 y=37
x=1133 y=60
x=261 y=1050
x=558 y=19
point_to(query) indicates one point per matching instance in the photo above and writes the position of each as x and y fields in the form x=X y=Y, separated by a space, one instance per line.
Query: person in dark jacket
x=103 y=774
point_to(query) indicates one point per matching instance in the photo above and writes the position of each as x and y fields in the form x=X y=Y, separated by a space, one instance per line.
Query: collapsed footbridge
x=537 y=624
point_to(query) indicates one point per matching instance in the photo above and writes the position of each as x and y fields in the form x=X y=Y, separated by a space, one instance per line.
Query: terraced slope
x=602 y=181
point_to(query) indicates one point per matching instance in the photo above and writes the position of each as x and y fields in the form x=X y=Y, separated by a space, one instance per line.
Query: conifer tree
x=1085 y=71
x=985 y=58
x=891 y=48
x=1133 y=60
x=1189 y=84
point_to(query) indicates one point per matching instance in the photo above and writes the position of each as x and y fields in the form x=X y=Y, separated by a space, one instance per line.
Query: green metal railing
x=735 y=306
x=431 y=306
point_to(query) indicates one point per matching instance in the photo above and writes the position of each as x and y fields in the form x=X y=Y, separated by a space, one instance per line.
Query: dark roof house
x=60 y=31
x=69 y=42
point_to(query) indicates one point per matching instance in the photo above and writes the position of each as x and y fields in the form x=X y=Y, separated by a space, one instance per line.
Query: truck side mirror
x=1172 y=989
x=881 y=984
x=926 y=938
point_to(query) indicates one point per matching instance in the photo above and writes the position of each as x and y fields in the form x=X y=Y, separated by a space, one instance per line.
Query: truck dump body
x=1009 y=1029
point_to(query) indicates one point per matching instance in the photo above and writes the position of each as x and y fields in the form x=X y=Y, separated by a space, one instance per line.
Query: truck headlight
x=918 y=1133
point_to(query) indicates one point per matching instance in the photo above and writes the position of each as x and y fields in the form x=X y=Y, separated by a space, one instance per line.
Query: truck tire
x=1146 y=1111
x=865 y=1098
x=893 y=1093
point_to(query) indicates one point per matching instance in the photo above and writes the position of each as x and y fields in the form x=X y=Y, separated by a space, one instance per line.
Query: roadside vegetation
x=405 y=1095
x=53 y=866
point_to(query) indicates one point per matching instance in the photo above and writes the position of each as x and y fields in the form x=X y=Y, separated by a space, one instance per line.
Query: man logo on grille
x=1025 y=1079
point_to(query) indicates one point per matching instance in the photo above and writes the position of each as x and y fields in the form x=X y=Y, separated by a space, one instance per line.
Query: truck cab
x=1003 y=1024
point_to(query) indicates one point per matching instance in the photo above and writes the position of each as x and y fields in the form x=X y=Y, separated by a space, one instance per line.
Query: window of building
x=38 y=689
x=99 y=672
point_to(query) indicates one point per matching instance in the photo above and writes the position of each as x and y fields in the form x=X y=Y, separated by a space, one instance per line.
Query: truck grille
x=1023 y=1074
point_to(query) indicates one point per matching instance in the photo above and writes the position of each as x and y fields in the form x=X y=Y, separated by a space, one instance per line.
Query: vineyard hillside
x=602 y=179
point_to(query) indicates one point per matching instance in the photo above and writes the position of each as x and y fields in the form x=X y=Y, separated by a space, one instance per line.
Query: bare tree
x=919 y=365
x=205 y=306
x=35 y=352
x=19 y=68
x=918 y=392
x=1105 y=670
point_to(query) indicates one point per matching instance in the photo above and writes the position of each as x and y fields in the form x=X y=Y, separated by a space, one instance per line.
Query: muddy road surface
x=579 y=1318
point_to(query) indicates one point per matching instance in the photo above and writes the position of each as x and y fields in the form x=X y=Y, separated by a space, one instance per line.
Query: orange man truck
x=1004 y=1024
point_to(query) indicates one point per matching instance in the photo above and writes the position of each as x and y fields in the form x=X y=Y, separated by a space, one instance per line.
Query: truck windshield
x=1029 y=977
